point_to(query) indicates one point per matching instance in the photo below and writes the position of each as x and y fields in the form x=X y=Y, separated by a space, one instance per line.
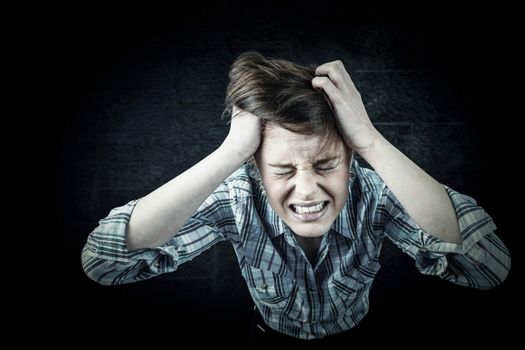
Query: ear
x=258 y=153
x=256 y=158
x=349 y=151
x=350 y=154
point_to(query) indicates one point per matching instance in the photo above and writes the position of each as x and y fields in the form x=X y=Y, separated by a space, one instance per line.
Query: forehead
x=279 y=142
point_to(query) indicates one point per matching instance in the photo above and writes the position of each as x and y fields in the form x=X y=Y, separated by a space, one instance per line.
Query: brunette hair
x=281 y=92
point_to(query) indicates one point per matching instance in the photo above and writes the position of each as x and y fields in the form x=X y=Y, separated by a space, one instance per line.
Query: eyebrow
x=288 y=165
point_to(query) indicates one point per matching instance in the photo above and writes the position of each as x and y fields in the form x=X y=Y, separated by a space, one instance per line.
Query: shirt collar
x=279 y=227
x=343 y=223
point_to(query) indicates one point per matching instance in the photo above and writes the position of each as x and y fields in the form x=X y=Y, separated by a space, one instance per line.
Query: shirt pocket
x=347 y=289
x=268 y=288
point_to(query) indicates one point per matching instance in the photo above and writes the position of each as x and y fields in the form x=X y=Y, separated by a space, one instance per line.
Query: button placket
x=312 y=288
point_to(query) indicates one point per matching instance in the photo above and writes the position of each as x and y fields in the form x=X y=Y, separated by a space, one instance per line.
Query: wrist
x=362 y=140
x=367 y=152
x=239 y=154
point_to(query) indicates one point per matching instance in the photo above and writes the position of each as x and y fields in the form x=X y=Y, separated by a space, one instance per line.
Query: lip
x=307 y=204
x=307 y=217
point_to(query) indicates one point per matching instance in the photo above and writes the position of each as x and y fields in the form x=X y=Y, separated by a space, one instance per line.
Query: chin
x=309 y=233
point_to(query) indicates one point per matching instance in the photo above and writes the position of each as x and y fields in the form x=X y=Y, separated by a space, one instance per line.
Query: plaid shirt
x=295 y=297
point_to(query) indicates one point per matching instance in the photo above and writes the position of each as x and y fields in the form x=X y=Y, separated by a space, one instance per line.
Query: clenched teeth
x=313 y=209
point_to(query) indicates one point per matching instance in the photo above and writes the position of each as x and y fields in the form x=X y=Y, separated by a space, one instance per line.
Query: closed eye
x=284 y=174
x=326 y=168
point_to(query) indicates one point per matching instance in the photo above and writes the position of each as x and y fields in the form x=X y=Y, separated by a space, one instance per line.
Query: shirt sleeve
x=480 y=261
x=106 y=259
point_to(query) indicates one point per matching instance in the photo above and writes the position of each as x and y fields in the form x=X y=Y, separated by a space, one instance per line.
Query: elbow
x=93 y=268
x=480 y=269
x=493 y=283
x=502 y=273
x=499 y=273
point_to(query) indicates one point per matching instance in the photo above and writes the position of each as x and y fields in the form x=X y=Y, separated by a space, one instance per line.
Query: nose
x=306 y=185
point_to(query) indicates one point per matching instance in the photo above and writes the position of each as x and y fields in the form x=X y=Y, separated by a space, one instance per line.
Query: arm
x=445 y=232
x=174 y=223
x=423 y=197
x=159 y=215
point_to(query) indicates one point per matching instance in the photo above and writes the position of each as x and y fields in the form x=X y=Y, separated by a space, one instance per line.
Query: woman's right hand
x=244 y=137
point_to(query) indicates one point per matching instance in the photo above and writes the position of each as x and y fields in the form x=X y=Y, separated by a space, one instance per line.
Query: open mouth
x=309 y=213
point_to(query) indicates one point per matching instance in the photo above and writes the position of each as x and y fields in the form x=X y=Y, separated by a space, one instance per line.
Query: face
x=306 y=189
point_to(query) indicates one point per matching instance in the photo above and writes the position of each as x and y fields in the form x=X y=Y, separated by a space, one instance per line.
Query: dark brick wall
x=141 y=92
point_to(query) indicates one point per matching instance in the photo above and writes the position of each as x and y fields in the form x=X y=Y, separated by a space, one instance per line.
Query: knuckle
x=323 y=81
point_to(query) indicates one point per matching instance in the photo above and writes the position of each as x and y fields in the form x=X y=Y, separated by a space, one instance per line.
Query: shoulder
x=244 y=182
x=365 y=179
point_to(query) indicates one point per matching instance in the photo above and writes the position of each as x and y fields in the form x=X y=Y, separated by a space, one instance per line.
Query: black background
x=132 y=95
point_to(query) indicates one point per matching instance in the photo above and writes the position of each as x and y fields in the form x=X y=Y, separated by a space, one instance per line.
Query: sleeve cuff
x=108 y=242
x=430 y=252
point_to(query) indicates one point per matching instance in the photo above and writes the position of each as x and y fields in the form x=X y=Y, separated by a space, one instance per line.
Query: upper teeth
x=302 y=210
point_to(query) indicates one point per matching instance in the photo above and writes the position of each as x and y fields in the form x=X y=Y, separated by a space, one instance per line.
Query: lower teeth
x=310 y=212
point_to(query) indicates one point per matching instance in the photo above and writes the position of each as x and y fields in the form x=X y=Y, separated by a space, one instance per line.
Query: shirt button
x=157 y=264
x=162 y=252
x=313 y=289
x=264 y=286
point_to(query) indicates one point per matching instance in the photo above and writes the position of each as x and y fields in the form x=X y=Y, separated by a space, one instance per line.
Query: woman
x=305 y=220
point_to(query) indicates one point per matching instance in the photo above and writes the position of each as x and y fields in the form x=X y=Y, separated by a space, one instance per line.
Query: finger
x=326 y=85
x=336 y=71
x=328 y=69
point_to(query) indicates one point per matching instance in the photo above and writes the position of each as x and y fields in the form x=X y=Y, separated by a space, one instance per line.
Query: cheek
x=339 y=186
x=276 y=191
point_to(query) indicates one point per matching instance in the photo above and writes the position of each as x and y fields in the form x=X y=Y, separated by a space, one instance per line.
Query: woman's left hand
x=346 y=103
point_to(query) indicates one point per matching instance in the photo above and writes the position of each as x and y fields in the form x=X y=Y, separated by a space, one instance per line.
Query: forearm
x=161 y=214
x=424 y=199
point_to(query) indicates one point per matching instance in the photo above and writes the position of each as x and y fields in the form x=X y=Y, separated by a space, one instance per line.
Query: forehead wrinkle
x=287 y=147
x=309 y=151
